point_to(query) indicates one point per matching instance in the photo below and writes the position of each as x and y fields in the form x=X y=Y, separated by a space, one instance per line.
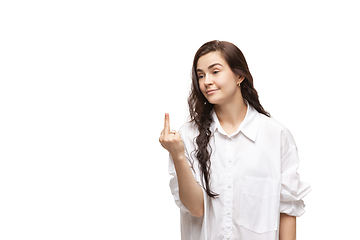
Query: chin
x=213 y=101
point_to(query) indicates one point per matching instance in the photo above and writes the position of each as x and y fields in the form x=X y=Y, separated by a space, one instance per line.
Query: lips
x=211 y=91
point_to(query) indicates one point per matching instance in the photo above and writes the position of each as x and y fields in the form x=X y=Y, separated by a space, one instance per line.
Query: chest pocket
x=259 y=204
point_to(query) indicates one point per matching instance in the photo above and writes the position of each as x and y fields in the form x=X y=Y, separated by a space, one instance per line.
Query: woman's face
x=217 y=81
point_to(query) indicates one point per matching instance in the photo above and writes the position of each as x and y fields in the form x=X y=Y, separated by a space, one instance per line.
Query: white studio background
x=85 y=85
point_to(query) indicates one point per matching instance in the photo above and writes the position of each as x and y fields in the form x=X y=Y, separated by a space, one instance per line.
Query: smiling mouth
x=211 y=91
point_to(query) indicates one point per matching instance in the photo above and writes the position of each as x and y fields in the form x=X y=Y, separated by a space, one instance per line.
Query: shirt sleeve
x=292 y=189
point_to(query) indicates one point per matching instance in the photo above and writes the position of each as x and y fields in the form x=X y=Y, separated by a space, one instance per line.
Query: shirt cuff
x=178 y=202
x=291 y=203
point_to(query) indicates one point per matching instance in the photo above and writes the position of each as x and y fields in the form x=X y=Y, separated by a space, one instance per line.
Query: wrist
x=179 y=158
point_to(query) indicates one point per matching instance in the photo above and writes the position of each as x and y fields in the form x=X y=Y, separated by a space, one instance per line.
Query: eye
x=216 y=71
x=200 y=76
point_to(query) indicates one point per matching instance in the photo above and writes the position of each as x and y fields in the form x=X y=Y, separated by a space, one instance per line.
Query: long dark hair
x=200 y=109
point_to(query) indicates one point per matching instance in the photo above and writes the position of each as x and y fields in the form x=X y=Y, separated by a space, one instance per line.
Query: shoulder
x=271 y=122
x=273 y=125
x=189 y=130
x=275 y=131
x=188 y=133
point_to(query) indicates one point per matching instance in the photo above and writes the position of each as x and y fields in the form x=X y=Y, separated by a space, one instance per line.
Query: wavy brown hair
x=200 y=109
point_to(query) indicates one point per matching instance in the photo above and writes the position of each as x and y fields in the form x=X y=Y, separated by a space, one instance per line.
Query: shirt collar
x=249 y=126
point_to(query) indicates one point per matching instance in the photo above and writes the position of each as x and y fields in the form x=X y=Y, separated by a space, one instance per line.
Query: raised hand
x=171 y=140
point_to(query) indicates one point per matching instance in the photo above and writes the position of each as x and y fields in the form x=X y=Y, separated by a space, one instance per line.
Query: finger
x=162 y=133
x=177 y=134
x=167 y=124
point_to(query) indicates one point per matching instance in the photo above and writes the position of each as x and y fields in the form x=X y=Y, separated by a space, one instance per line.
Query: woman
x=234 y=167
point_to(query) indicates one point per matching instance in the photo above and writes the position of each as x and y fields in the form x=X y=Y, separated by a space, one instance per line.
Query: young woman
x=234 y=167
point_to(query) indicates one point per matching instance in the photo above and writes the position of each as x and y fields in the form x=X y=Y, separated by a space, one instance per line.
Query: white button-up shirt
x=254 y=171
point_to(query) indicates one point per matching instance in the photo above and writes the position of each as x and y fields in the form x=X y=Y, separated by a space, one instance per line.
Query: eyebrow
x=211 y=66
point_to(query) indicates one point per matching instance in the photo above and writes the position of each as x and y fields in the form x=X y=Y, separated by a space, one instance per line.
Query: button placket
x=227 y=224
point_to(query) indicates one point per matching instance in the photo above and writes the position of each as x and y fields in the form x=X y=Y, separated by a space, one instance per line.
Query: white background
x=85 y=85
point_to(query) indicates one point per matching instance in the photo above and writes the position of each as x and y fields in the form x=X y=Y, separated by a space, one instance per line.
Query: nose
x=208 y=80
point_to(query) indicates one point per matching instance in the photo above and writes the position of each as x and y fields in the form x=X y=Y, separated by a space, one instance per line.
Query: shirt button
x=229 y=185
x=229 y=160
x=228 y=212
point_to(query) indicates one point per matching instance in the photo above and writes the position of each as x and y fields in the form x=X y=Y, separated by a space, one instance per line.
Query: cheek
x=227 y=83
x=202 y=87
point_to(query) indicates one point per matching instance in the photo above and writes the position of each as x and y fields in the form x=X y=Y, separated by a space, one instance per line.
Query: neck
x=231 y=113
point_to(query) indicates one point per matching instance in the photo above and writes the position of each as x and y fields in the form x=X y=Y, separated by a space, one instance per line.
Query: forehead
x=208 y=59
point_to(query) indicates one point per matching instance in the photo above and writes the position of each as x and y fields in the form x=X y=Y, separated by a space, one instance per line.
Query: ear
x=240 y=79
